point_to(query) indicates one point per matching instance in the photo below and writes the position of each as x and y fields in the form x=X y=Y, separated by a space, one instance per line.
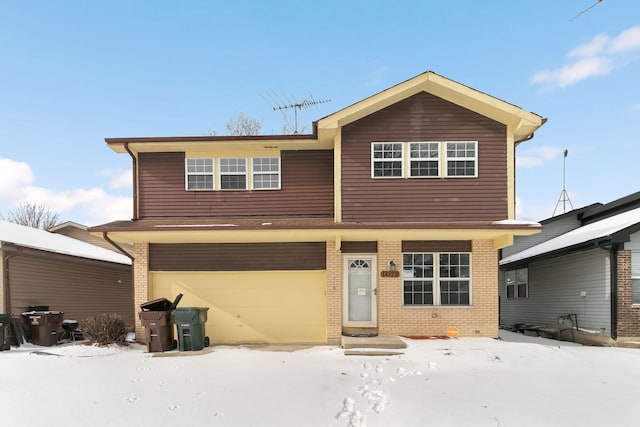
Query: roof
x=614 y=229
x=521 y=123
x=35 y=238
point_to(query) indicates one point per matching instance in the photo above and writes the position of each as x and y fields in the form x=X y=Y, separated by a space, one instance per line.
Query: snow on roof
x=597 y=230
x=43 y=240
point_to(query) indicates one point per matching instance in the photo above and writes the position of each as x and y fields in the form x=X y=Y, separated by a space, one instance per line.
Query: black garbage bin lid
x=160 y=304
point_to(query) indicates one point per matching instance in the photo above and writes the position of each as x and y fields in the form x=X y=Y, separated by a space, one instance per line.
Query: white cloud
x=15 y=177
x=600 y=56
x=627 y=41
x=536 y=156
x=119 y=178
x=92 y=205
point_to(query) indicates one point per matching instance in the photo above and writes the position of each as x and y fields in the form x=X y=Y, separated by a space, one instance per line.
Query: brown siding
x=424 y=117
x=359 y=247
x=79 y=288
x=436 y=246
x=237 y=256
x=306 y=189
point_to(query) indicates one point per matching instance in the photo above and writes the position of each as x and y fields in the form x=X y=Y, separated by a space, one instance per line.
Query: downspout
x=613 y=260
x=5 y=278
x=106 y=237
x=135 y=181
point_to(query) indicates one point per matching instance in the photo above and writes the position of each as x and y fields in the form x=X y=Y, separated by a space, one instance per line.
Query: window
x=233 y=173
x=387 y=160
x=199 y=174
x=436 y=279
x=517 y=282
x=635 y=277
x=418 y=284
x=266 y=173
x=424 y=159
x=462 y=159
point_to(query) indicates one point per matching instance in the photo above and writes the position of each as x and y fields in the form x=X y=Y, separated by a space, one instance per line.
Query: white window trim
x=447 y=159
x=279 y=173
x=187 y=174
x=436 y=279
x=401 y=160
x=221 y=174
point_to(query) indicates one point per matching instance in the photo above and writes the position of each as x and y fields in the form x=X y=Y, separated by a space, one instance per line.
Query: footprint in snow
x=364 y=375
x=366 y=365
x=173 y=407
x=135 y=380
x=132 y=399
x=431 y=365
x=401 y=372
x=347 y=408
x=379 y=369
x=162 y=383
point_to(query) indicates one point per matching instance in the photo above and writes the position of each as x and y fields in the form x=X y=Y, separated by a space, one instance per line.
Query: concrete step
x=379 y=342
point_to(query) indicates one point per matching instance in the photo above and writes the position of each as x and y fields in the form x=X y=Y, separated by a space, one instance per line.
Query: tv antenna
x=564 y=196
x=297 y=106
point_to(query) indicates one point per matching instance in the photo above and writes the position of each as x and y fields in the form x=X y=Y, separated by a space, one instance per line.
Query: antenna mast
x=305 y=103
x=564 y=196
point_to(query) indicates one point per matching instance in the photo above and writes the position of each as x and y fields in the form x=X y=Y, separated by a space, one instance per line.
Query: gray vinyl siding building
x=555 y=289
x=584 y=263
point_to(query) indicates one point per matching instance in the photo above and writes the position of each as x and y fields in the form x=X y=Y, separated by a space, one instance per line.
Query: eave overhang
x=307 y=231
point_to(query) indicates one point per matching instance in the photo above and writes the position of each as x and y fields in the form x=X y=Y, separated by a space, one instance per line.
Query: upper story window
x=266 y=173
x=517 y=282
x=436 y=278
x=199 y=174
x=462 y=159
x=387 y=160
x=233 y=173
x=422 y=159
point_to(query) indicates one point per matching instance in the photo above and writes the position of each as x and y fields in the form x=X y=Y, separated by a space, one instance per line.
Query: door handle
x=375 y=291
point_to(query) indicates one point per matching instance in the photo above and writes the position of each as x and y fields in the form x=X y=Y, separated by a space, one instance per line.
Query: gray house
x=584 y=267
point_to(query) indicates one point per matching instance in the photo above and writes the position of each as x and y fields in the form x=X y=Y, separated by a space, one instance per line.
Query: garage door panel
x=268 y=306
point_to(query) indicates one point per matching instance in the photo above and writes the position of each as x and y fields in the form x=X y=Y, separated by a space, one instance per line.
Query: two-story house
x=387 y=218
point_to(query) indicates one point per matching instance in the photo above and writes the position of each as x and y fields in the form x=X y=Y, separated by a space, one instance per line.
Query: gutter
x=135 y=181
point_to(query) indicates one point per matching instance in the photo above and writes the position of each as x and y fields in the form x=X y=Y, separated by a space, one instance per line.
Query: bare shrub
x=105 y=329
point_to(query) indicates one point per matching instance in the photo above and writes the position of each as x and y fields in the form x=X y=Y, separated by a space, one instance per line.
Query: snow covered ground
x=516 y=381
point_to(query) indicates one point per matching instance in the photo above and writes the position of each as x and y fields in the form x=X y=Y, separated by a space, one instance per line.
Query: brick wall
x=478 y=320
x=628 y=315
x=140 y=283
x=334 y=292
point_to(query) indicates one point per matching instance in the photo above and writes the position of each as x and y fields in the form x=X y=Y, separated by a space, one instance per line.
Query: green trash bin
x=190 y=323
x=4 y=323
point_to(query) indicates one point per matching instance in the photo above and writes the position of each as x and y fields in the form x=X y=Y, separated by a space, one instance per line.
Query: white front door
x=359 y=279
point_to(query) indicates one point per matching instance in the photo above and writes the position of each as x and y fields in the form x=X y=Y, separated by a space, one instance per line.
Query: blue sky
x=73 y=73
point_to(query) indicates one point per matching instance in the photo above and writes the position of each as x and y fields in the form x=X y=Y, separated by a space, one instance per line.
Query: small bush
x=105 y=329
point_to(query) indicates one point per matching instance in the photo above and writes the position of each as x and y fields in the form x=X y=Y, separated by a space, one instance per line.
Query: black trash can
x=44 y=326
x=190 y=323
x=4 y=324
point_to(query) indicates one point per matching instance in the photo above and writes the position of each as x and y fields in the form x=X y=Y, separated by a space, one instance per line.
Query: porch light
x=392 y=265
